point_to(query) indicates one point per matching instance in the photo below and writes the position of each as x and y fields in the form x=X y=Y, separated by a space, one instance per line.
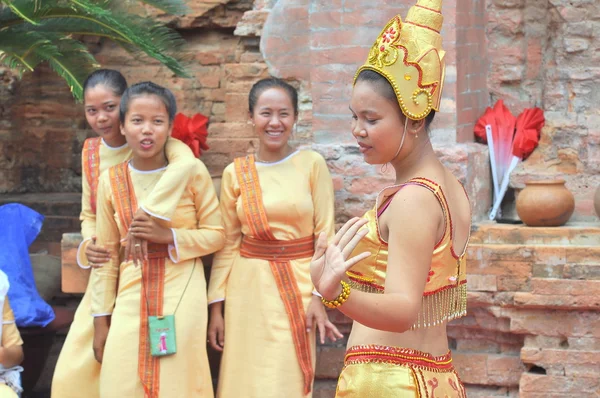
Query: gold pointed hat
x=409 y=55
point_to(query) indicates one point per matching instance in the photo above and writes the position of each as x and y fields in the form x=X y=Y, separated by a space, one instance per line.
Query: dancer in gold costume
x=399 y=271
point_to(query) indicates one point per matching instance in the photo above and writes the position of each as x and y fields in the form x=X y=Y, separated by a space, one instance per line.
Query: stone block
x=535 y=385
x=74 y=278
x=330 y=360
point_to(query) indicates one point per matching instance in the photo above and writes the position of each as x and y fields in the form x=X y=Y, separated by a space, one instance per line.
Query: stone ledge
x=579 y=233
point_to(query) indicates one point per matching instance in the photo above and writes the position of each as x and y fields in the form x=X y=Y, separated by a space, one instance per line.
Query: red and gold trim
x=91 y=166
x=399 y=356
x=363 y=283
x=263 y=243
x=153 y=279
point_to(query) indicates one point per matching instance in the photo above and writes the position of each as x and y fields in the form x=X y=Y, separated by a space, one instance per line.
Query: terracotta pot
x=597 y=201
x=545 y=203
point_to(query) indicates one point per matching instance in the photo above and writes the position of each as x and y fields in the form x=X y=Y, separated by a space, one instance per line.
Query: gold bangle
x=339 y=300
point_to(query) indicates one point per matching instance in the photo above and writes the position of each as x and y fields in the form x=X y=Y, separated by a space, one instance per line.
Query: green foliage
x=36 y=31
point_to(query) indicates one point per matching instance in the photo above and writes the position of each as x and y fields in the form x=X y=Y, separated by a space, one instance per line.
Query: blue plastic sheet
x=19 y=226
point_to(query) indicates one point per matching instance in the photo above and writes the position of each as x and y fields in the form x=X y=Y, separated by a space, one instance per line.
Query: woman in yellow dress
x=405 y=259
x=274 y=203
x=11 y=347
x=77 y=369
x=140 y=358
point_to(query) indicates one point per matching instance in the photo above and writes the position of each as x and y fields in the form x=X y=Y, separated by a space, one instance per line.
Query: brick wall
x=547 y=54
x=323 y=42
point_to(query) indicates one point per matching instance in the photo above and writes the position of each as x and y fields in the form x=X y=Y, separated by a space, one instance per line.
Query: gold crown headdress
x=410 y=56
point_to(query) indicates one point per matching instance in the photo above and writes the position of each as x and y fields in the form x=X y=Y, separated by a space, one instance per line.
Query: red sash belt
x=277 y=250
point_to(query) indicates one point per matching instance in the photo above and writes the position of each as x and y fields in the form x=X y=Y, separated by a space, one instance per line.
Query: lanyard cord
x=182 y=294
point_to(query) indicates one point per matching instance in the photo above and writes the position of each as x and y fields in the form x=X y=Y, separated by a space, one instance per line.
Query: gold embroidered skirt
x=386 y=372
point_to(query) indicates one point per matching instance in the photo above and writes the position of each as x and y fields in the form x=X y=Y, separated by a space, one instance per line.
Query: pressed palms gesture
x=330 y=262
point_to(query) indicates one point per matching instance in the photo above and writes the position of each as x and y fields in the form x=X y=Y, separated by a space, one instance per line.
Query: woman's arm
x=414 y=222
x=163 y=200
x=209 y=235
x=322 y=197
x=11 y=351
x=223 y=261
x=103 y=280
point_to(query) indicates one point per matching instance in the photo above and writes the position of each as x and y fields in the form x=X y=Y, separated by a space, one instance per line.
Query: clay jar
x=597 y=201
x=545 y=203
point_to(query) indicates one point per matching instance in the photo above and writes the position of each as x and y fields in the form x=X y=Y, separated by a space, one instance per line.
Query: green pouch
x=162 y=335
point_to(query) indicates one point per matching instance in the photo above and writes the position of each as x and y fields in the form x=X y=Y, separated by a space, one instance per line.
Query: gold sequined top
x=445 y=295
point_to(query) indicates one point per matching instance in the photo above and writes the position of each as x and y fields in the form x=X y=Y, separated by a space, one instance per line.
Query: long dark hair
x=110 y=78
x=272 y=82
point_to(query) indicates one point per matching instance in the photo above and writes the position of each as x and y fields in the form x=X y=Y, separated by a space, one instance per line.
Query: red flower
x=389 y=35
x=192 y=131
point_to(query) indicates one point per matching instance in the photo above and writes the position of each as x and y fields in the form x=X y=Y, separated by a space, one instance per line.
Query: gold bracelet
x=339 y=300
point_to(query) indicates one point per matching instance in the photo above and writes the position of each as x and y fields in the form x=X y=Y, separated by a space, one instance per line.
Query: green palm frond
x=22 y=55
x=24 y=9
x=173 y=7
x=72 y=62
x=67 y=57
x=35 y=31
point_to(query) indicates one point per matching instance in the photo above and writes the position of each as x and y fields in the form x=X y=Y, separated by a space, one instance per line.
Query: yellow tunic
x=10 y=337
x=259 y=359
x=115 y=289
x=77 y=370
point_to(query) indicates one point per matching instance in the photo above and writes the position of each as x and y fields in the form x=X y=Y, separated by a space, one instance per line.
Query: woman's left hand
x=316 y=315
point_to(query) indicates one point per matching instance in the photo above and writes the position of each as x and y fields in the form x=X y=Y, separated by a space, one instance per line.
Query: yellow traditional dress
x=10 y=338
x=116 y=288
x=77 y=370
x=267 y=352
x=409 y=55
x=390 y=372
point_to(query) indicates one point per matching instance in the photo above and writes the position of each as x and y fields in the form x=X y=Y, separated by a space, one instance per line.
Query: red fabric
x=192 y=131
x=485 y=119
x=528 y=126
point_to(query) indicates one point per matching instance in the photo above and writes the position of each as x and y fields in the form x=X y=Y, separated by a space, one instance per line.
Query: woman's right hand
x=96 y=255
x=216 y=327
x=101 y=327
x=331 y=261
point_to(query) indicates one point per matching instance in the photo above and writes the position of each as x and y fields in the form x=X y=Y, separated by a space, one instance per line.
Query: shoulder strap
x=251 y=194
x=437 y=191
x=91 y=166
x=124 y=194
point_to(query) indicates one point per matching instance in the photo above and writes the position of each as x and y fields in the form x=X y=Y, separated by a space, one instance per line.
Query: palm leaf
x=34 y=31
x=23 y=54
x=73 y=63
x=24 y=9
x=173 y=7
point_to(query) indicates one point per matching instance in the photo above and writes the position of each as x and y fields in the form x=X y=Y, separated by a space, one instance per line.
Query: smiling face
x=146 y=128
x=273 y=118
x=101 y=106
